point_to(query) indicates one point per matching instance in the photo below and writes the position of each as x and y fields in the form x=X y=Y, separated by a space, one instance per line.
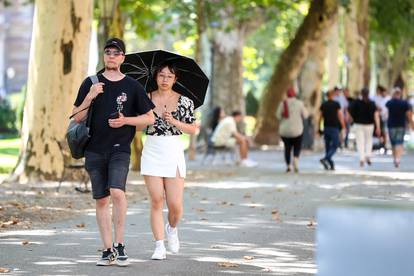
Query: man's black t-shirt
x=329 y=111
x=126 y=96
x=363 y=112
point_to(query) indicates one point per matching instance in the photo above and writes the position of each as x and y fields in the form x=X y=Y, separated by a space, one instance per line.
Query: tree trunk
x=58 y=64
x=321 y=15
x=309 y=82
x=383 y=64
x=201 y=29
x=227 y=76
x=399 y=60
x=110 y=24
x=333 y=70
x=363 y=30
x=357 y=45
x=390 y=67
x=136 y=151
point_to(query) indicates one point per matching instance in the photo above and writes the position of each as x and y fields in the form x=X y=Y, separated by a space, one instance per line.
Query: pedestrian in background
x=365 y=116
x=333 y=121
x=291 y=113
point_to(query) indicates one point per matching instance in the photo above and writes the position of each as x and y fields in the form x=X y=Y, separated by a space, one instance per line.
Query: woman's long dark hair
x=215 y=117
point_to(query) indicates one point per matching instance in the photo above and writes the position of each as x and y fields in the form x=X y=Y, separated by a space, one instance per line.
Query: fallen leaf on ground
x=81 y=225
x=4 y=270
x=276 y=215
x=248 y=258
x=311 y=224
x=8 y=223
x=25 y=242
x=227 y=264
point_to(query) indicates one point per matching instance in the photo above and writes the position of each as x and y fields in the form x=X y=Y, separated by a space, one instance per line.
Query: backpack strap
x=94 y=80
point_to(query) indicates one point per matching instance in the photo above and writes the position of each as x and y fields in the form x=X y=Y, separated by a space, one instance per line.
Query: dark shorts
x=396 y=135
x=107 y=170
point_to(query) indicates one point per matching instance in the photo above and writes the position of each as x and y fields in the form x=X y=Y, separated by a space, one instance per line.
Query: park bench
x=73 y=170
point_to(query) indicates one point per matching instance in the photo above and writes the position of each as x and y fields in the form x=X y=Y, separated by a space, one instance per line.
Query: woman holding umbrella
x=163 y=164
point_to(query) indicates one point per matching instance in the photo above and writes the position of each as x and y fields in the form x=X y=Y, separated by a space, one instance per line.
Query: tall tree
x=392 y=25
x=314 y=27
x=111 y=23
x=309 y=84
x=58 y=63
x=333 y=69
x=357 y=44
x=234 y=21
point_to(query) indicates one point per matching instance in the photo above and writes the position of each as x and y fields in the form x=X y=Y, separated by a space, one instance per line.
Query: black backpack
x=78 y=134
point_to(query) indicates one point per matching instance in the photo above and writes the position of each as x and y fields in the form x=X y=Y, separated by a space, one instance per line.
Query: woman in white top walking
x=291 y=113
x=162 y=162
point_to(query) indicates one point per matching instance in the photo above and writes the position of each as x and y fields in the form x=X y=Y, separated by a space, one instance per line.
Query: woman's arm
x=184 y=127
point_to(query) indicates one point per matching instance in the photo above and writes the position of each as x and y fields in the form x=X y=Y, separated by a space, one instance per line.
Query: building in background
x=16 y=21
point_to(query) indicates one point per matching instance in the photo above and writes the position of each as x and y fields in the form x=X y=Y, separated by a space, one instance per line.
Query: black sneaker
x=324 y=163
x=122 y=257
x=331 y=165
x=108 y=258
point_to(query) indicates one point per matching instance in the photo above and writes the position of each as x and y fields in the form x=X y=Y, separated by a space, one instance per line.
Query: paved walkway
x=251 y=221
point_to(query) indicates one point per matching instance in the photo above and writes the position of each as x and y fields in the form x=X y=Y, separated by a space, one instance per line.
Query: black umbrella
x=192 y=82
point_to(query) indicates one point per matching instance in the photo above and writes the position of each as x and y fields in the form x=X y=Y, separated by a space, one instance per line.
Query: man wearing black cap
x=119 y=105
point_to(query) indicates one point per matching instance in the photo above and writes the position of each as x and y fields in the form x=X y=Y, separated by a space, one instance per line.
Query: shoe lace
x=120 y=249
x=109 y=254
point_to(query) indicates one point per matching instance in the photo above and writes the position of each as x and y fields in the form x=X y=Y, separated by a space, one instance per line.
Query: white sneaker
x=248 y=163
x=172 y=237
x=160 y=253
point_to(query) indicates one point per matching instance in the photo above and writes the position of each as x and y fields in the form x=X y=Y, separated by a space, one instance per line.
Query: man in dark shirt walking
x=119 y=105
x=333 y=121
x=399 y=114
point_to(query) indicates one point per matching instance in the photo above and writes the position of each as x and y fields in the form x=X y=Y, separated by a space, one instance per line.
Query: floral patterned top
x=183 y=113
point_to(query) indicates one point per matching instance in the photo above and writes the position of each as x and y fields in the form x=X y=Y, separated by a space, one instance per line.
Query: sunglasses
x=115 y=53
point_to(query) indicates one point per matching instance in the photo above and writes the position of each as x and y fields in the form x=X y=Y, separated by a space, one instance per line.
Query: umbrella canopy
x=192 y=82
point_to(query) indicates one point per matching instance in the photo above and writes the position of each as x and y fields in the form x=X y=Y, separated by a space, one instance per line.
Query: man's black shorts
x=107 y=170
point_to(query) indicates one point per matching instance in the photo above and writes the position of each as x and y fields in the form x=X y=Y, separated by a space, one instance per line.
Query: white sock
x=159 y=243
x=170 y=229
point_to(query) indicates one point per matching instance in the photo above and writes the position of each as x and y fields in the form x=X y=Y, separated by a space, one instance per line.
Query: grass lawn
x=9 y=153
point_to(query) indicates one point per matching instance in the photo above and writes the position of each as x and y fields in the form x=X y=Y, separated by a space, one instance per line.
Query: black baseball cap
x=115 y=42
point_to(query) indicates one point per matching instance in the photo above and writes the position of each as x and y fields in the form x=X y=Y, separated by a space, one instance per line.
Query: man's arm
x=341 y=119
x=94 y=91
x=410 y=118
x=318 y=129
x=140 y=121
x=377 y=123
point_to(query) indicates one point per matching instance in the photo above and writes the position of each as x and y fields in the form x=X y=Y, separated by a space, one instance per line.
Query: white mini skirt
x=163 y=156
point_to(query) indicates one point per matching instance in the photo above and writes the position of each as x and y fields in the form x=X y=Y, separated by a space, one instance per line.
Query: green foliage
x=270 y=40
x=7 y=117
x=252 y=104
x=9 y=153
x=144 y=15
x=392 y=20
x=19 y=107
